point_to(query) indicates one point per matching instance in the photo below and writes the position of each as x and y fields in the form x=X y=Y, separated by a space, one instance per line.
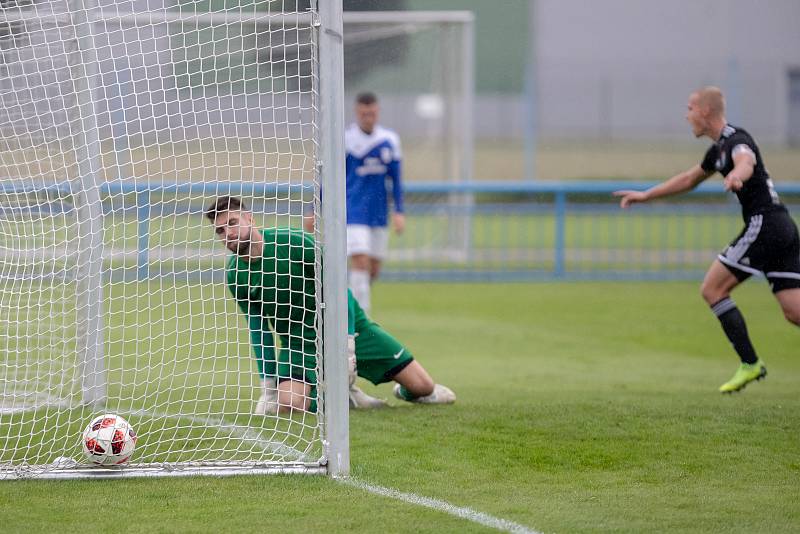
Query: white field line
x=33 y=401
x=248 y=434
x=442 y=506
x=241 y=432
x=417 y=500
x=461 y=512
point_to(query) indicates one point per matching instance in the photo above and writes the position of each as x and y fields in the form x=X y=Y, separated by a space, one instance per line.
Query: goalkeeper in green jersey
x=271 y=274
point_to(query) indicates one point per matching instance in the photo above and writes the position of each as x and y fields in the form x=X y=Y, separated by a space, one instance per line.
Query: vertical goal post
x=331 y=68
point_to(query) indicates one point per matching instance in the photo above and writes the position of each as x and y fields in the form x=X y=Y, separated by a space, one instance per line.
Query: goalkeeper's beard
x=242 y=247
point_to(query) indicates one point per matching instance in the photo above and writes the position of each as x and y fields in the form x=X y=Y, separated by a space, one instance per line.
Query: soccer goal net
x=421 y=66
x=121 y=122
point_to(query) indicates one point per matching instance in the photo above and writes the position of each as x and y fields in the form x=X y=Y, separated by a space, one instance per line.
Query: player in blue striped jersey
x=373 y=168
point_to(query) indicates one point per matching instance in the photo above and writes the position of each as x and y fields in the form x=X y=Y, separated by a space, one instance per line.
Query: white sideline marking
x=435 y=504
x=441 y=506
x=34 y=401
x=235 y=430
x=469 y=514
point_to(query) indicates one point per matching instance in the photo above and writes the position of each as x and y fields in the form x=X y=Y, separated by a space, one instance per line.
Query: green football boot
x=746 y=373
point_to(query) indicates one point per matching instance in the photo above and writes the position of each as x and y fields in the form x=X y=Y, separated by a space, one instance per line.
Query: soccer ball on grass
x=108 y=440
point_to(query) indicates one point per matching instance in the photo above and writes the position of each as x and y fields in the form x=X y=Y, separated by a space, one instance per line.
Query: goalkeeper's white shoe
x=441 y=395
x=268 y=401
x=360 y=400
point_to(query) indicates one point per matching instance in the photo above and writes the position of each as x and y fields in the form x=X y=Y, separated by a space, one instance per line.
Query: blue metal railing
x=475 y=187
x=569 y=207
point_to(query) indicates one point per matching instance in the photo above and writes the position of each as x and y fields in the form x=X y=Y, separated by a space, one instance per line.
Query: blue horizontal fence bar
x=194 y=189
x=710 y=187
x=515 y=231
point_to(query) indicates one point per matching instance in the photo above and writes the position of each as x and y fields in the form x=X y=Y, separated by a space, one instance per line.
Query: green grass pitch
x=582 y=407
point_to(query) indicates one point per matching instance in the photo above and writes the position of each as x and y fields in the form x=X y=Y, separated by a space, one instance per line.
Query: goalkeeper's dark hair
x=366 y=98
x=223 y=204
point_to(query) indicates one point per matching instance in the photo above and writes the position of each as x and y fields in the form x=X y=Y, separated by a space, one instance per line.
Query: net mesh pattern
x=120 y=123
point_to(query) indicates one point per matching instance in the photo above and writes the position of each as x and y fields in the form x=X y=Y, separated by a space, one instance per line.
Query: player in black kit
x=768 y=244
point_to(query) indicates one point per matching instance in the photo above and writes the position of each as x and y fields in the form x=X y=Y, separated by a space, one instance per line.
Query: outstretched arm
x=680 y=183
x=744 y=161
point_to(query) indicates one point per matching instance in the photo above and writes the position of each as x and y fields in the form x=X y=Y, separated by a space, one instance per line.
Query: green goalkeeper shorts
x=379 y=356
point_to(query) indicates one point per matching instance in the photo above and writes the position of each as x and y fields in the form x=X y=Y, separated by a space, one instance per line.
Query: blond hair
x=711 y=97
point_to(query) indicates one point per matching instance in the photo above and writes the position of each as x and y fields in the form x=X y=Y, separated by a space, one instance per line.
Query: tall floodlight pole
x=531 y=127
x=733 y=95
x=334 y=274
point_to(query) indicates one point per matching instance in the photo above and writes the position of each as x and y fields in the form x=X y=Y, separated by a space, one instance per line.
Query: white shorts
x=370 y=240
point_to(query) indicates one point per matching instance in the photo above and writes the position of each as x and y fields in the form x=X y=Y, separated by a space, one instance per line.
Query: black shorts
x=768 y=245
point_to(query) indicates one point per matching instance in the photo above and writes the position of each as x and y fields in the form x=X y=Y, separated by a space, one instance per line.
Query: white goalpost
x=121 y=122
x=421 y=65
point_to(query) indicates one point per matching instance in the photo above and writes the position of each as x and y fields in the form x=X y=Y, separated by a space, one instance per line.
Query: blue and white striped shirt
x=373 y=163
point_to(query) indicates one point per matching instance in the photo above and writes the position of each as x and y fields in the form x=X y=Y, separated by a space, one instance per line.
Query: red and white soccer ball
x=108 y=440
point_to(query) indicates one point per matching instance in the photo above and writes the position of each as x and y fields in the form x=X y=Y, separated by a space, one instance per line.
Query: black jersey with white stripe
x=757 y=194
